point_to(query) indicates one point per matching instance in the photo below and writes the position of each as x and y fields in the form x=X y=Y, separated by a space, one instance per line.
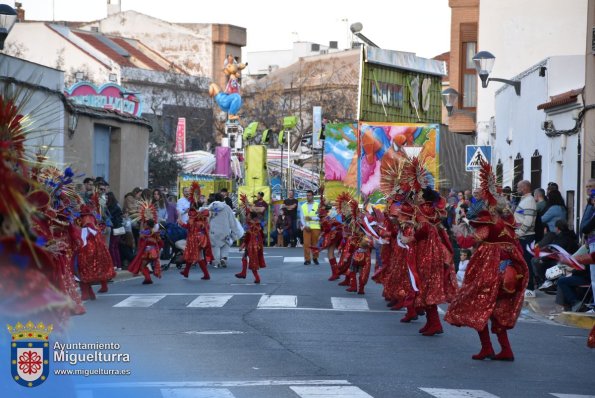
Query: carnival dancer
x=350 y=241
x=401 y=283
x=198 y=243
x=330 y=236
x=63 y=237
x=496 y=276
x=252 y=244
x=362 y=237
x=149 y=243
x=433 y=261
x=94 y=261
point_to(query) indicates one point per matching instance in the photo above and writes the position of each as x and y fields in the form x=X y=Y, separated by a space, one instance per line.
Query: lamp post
x=449 y=99
x=8 y=17
x=484 y=62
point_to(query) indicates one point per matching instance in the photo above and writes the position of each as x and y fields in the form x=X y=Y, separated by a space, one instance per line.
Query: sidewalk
x=545 y=306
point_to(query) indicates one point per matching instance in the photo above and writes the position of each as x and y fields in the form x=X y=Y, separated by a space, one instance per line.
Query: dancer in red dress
x=330 y=236
x=253 y=243
x=95 y=262
x=149 y=243
x=495 y=279
x=198 y=243
x=433 y=260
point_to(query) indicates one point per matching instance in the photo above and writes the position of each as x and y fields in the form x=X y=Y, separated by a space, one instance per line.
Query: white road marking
x=179 y=294
x=196 y=393
x=210 y=301
x=277 y=301
x=456 y=393
x=349 y=303
x=441 y=311
x=215 y=332
x=571 y=395
x=330 y=392
x=213 y=384
x=293 y=260
x=140 y=301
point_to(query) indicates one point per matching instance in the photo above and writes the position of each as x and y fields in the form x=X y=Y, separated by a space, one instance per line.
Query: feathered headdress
x=390 y=178
x=194 y=193
x=487 y=183
x=144 y=211
x=415 y=176
x=244 y=205
x=344 y=201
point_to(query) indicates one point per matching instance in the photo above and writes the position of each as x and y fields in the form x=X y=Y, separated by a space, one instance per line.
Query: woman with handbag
x=115 y=214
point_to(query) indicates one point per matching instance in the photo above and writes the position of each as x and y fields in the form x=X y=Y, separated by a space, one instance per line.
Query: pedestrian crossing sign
x=473 y=155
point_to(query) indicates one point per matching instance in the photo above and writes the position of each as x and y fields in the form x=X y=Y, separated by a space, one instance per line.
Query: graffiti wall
x=354 y=158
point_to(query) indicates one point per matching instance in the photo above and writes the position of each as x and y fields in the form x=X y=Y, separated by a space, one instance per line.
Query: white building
x=261 y=63
x=550 y=91
x=521 y=34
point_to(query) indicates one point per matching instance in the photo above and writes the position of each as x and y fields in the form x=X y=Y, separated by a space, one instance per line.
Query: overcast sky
x=420 y=26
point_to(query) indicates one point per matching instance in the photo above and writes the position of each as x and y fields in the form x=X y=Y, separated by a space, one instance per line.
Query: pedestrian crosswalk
x=265 y=301
x=285 y=388
x=261 y=301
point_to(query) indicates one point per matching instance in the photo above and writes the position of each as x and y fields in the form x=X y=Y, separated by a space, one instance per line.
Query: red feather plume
x=194 y=193
x=487 y=183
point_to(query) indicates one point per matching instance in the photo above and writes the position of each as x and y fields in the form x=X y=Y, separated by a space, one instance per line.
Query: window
x=570 y=206
x=517 y=171
x=468 y=76
x=536 y=170
x=499 y=173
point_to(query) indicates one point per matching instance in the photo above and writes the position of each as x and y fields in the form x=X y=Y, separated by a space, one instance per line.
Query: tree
x=330 y=82
x=164 y=167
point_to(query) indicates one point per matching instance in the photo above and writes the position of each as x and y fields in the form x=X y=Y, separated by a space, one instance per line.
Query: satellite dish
x=356 y=27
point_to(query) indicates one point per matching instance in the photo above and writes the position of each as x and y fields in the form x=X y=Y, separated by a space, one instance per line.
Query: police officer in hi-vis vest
x=310 y=226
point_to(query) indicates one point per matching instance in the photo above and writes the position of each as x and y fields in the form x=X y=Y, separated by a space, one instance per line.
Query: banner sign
x=109 y=96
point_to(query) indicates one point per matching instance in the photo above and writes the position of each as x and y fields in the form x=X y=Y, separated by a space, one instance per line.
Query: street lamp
x=449 y=99
x=8 y=16
x=484 y=62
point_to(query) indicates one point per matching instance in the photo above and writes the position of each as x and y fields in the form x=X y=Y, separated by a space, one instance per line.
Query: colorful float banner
x=356 y=154
x=340 y=158
x=384 y=143
x=109 y=96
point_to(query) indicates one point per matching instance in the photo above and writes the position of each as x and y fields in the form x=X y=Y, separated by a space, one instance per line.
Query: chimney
x=333 y=45
x=20 y=12
x=113 y=7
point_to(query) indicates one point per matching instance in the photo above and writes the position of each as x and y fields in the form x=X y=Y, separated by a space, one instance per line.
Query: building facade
x=551 y=93
x=520 y=34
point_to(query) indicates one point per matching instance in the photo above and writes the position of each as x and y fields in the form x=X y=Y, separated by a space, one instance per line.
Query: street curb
x=577 y=319
x=574 y=319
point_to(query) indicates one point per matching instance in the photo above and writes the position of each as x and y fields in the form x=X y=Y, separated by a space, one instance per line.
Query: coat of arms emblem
x=30 y=353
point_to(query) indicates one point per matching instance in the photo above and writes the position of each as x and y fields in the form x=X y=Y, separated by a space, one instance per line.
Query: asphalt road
x=298 y=335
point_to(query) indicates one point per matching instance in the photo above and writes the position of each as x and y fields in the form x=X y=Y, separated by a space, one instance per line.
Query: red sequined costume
x=434 y=265
x=198 y=243
x=401 y=282
x=331 y=235
x=252 y=244
x=495 y=279
x=94 y=262
x=149 y=245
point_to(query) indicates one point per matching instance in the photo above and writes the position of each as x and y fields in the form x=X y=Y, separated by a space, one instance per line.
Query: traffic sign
x=473 y=155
